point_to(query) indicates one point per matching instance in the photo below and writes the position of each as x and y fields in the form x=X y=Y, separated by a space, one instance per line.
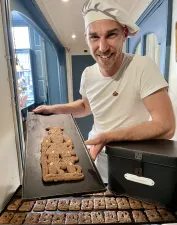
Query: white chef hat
x=94 y=10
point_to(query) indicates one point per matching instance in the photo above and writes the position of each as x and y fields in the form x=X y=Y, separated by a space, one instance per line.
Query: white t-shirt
x=137 y=77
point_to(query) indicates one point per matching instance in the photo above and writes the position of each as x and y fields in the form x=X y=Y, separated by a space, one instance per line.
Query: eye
x=93 y=37
x=111 y=35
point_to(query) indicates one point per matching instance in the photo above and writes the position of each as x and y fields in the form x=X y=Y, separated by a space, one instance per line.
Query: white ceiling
x=66 y=19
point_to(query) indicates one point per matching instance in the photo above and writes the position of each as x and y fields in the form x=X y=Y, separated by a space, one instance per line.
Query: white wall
x=138 y=8
x=9 y=172
x=173 y=64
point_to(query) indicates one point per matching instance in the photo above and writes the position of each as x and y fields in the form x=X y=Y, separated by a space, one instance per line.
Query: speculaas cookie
x=147 y=205
x=97 y=217
x=74 y=205
x=14 y=204
x=71 y=218
x=84 y=218
x=45 y=218
x=123 y=217
x=111 y=203
x=122 y=203
x=18 y=218
x=87 y=204
x=135 y=204
x=27 y=206
x=139 y=216
x=99 y=203
x=153 y=215
x=166 y=215
x=63 y=204
x=110 y=217
x=51 y=204
x=39 y=205
x=58 y=218
x=32 y=218
x=6 y=217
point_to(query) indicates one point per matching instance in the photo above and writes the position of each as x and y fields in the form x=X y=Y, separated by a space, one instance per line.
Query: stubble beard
x=107 y=65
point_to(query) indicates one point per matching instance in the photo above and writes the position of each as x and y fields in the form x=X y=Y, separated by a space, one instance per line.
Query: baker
x=126 y=93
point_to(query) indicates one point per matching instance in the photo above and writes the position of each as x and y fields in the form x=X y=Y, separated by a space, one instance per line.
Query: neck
x=114 y=69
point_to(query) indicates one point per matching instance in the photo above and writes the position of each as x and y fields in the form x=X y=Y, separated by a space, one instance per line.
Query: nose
x=103 y=45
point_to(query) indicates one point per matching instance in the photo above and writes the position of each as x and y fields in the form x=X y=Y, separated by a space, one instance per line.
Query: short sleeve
x=83 y=84
x=151 y=79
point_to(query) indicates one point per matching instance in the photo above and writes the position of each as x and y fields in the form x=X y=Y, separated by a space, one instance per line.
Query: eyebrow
x=108 y=32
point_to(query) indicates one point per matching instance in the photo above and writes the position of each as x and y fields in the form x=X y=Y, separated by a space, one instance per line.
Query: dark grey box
x=146 y=170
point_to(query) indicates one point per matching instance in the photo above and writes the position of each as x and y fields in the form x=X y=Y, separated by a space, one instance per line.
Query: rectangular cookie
x=6 y=217
x=32 y=218
x=123 y=217
x=166 y=215
x=84 y=218
x=110 y=217
x=51 y=205
x=74 y=205
x=139 y=216
x=14 y=204
x=153 y=215
x=97 y=217
x=63 y=204
x=39 y=206
x=71 y=218
x=87 y=204
x=58 y=218
x=27 y=206
x=111 y=203
x=147 y=205
x=18 y=218
x=122 y=203
x=135 y=204
x=45 y=218
x=99 y=203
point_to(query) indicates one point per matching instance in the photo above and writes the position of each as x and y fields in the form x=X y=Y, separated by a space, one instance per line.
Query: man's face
x=105 y=40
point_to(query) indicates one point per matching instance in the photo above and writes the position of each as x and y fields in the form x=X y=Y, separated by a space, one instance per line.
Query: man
x=125 y=93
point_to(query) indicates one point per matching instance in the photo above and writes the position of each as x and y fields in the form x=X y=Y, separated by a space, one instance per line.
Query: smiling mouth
x=105 y=57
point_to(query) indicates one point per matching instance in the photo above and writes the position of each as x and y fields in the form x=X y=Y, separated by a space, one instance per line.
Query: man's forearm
x=77 y=108
x=144 y=131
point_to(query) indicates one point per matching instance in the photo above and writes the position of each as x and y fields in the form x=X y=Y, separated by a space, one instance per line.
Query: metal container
x=146 y=170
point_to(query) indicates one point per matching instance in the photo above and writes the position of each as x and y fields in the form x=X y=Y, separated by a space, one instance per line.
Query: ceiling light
x=73 y=36
x=65 y=0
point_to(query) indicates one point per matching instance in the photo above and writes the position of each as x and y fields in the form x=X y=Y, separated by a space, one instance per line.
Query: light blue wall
x=155 y=19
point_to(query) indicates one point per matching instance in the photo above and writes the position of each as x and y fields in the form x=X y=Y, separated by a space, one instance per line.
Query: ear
x=85 y=36
x=125 y=33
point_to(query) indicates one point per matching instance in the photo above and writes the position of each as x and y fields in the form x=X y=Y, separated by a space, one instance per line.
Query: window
x=21 y=37
x=24 y=78
x=21 y=43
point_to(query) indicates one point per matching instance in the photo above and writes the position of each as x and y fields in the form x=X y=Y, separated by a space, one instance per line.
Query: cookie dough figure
x=122 y=91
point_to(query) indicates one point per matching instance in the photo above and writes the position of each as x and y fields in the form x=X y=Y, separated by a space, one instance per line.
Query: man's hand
x=97 y=144
x=44 y=109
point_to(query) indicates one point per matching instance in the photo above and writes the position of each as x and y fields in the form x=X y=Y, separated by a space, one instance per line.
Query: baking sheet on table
x=33 y=185
x=80 y=198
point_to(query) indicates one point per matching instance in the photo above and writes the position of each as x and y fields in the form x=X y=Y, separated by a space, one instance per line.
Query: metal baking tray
x=102 y=211
x=33 y=185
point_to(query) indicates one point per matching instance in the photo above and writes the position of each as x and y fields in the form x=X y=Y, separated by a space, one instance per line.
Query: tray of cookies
x=57 y=162
x=97 y=208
